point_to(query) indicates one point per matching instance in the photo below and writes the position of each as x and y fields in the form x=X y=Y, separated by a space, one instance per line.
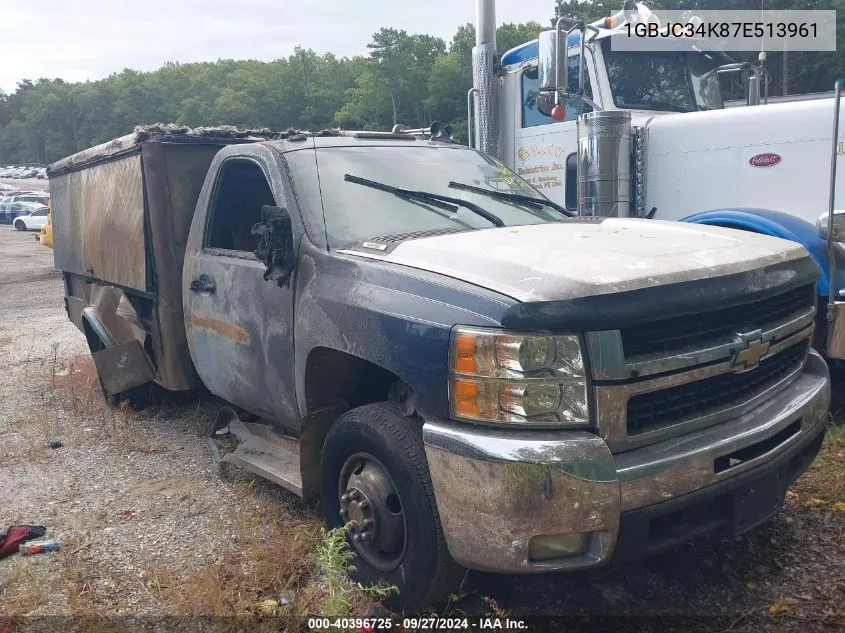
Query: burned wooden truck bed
x=121 y=216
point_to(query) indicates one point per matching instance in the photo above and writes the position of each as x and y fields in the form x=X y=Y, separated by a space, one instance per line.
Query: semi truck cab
x=645 y=134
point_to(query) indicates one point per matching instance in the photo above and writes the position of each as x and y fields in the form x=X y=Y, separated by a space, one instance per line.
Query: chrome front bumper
x=497 y=489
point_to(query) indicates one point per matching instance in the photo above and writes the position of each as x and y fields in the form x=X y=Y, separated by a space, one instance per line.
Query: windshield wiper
x=530 y=201
x=446 y=203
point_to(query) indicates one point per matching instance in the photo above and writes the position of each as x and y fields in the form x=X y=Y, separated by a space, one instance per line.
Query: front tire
x=20 y=226
x=374 y=473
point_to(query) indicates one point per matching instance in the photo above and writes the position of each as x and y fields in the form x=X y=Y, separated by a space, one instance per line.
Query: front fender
x=396 y=318
x=777 y=224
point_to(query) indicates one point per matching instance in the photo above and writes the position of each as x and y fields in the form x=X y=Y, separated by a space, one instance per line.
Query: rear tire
x=374 y=458
x=20 y=226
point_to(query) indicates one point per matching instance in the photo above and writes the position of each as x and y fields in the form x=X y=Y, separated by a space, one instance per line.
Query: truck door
x=239 y=326
x=545 y=151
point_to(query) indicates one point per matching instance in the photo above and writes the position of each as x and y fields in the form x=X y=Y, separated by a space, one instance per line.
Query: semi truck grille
x=677 y=333
x=659 y=409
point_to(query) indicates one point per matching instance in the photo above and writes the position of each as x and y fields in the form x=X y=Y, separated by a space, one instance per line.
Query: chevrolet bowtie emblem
x=752 y=349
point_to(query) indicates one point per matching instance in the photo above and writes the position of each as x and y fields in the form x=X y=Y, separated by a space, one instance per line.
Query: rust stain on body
x=222 y=328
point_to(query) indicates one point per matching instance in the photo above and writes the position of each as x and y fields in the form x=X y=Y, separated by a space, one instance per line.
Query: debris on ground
x=44 y=547
x=16 y=535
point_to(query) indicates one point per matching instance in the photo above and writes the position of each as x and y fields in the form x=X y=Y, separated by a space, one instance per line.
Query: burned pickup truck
x=463 y=372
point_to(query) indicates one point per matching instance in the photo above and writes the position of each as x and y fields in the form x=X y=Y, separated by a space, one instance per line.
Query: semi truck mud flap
x=835 y=330
x=123 y=367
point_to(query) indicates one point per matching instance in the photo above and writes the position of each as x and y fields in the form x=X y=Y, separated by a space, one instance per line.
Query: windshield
x=662 y=81
x=355 y=213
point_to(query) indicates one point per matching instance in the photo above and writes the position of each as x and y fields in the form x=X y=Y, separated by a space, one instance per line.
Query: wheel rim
x=370 y=503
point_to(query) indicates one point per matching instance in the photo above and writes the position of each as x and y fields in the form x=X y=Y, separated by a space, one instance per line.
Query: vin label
x=771 y=31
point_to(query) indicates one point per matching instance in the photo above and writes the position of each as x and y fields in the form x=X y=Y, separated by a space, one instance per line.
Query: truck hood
x=773 y=156
x=582 y=258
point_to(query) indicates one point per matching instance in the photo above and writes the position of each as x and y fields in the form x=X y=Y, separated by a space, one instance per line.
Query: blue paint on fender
x=776 y=224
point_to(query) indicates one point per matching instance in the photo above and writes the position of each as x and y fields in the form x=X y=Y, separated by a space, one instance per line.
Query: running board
x=262 y=450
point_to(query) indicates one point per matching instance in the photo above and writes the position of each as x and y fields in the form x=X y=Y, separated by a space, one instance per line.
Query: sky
x=90 y=39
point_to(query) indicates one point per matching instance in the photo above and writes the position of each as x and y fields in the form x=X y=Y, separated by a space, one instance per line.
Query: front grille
x=659 y=409
x=677 y=333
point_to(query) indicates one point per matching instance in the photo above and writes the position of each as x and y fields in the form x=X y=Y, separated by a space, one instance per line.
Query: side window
x=42 y=213
x=242 y=190
x=534 y=109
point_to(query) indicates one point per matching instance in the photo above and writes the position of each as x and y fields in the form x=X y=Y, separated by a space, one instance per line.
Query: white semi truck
x=656 y=140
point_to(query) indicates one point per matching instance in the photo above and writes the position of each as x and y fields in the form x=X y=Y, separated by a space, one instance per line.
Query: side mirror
x=275 y=244
x=838 y=226
x=551 y=77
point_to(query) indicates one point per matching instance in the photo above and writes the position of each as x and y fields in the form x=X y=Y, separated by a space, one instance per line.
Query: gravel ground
x=132 y=493
x=134 y=496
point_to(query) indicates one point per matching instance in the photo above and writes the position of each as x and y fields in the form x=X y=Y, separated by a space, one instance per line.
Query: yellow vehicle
x=46 y=234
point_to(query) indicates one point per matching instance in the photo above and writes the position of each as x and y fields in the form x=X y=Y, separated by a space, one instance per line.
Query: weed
x=283 y=566
x=19 y=598
x=825 y=479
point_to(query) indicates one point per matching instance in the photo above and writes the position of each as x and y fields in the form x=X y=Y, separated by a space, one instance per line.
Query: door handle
x=203 y=283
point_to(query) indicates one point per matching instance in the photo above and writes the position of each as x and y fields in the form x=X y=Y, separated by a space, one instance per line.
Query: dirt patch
x=26 y=276
x=167 y=488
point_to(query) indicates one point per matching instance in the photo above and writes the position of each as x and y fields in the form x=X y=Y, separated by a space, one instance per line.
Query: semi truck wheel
x=374 y=475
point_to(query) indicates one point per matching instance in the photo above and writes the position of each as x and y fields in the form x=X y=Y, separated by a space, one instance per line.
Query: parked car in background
x=23 y=171
x=40 y=197
x=11 y=211
x=31 y=220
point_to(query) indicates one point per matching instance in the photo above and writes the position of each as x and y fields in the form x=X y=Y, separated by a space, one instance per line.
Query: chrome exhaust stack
x=831 y=228
x=486 y=84
x=604 y=163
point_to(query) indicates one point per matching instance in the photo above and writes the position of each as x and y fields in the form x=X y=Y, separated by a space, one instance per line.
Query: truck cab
x=646 y=84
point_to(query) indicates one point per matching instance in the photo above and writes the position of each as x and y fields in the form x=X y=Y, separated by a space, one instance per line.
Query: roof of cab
x=162 y=133
x=530 y=50
x=227 y=135
x=350 y=139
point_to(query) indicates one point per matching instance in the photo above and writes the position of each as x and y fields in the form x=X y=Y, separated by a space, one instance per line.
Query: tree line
x=405 y=78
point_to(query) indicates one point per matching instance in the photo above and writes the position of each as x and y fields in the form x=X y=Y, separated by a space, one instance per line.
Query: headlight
x=530 y=379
